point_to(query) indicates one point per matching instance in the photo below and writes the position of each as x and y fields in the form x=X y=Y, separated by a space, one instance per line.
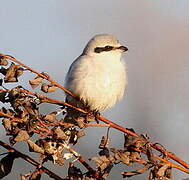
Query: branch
x=101 y=118
x=30 y=160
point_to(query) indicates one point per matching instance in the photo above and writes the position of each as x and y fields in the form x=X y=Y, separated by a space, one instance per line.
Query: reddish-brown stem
x=101 y=118
x=83 y=162
x=171 y=164
x=44 y=76
x=116 y=126
x=80 y=158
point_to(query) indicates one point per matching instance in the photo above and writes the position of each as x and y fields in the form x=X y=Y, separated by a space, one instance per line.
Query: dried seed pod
x=35 y=82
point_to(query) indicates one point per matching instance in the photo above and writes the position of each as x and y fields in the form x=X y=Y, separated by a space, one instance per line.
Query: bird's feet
x=93 y=115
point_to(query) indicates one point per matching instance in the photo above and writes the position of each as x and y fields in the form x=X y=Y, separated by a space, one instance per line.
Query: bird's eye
x=108 y=48
x=98 y=50
x=103 y=49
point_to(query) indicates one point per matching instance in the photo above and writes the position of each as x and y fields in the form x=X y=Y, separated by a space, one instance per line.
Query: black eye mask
x=102 y=49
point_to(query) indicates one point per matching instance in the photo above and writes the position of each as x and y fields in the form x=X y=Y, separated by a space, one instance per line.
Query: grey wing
x=74 y=68
x=70 y=74
x=72 y=77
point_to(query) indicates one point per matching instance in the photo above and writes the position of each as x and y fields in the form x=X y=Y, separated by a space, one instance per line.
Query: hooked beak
x=123 y=48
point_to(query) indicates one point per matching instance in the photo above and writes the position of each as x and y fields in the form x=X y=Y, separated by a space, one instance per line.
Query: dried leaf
x=3 y=96
x=104 y=152
x=19 y=72
x=35 y=82
x=58 y=161
x=133 y=141
x=137 y=172
x=45 y=87
x=162 y=171
x=36 y=175
x=74 y=173
x=6 y=164
x=48 y=88
x=34 y=147
x=80 y=134
x=3 y=71
x=11 y=73
x=24 y=176
x=3 y=62
x=67 y=156
x=52 y=89
x=22 y=136
x=50 y=147
x=102 y=162
x=59 y=134
x=72 y=133
x=89 y=178
x=7 y=124
x=80 y=122
x=11 y=79
x=1 y=82
x=50 y=117
x=123 y=156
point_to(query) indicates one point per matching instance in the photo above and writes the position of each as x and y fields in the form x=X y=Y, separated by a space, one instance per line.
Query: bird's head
x=104 y=44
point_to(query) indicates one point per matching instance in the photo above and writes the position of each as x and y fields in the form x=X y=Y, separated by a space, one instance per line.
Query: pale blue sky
x=49 y=34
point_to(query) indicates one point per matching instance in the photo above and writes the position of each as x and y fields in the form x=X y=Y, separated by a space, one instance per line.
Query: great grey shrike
x=98 y=76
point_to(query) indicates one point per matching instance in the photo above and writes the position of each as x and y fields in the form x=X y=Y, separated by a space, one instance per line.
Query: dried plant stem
x=171 y=164
x=82 y=161
x=30 y=160
x=101 y=118
x=44 y=76
x=80 y=158
x=154 y=145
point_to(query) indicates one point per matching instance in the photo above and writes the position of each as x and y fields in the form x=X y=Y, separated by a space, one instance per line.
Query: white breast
x=99 y=81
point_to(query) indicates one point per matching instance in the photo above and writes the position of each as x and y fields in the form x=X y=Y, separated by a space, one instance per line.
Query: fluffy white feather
x=98 y=78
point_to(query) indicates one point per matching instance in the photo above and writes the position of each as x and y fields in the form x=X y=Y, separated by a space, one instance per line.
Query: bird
x=98 y=76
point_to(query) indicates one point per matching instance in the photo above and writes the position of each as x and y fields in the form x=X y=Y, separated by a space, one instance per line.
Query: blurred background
x=49 y=34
